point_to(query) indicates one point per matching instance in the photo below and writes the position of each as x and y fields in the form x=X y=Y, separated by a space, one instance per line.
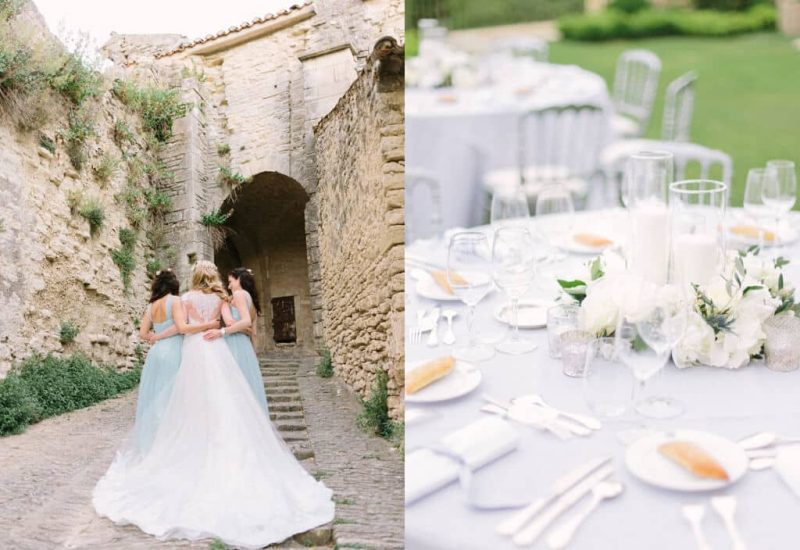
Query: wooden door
x=284 y=327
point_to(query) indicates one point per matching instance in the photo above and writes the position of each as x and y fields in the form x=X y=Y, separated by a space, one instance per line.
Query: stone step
x=272 y=390
x=291 y=426
x=293 y=437
x=285 y=407
x=285 y=398
x=302 y=452
x=319 y=536
x=287 y=417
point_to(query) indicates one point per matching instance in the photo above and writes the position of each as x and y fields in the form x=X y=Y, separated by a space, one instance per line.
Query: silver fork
x=416 y=332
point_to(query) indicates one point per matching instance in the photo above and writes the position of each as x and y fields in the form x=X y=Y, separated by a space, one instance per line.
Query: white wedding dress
x=216 y=468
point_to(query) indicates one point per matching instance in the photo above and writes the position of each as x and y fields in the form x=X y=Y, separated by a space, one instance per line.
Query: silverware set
x=527 y=525
x=725 y=507
x=762 y=448
x=532 y=410
x=428 y=322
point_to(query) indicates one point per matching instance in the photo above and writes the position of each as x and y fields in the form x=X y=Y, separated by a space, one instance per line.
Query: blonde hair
x=206 y=279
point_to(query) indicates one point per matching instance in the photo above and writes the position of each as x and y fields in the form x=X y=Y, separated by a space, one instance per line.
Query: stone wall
x=52 y=269
x=360 y=163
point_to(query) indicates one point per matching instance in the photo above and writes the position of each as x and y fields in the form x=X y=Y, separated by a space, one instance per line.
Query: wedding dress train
x=216 y=468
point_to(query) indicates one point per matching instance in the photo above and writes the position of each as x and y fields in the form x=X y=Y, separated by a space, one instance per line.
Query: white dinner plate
x=428 y=288
x=786 y=235
x=568 y=244
x=463 y=379
x=531 y=313
x=645 y=462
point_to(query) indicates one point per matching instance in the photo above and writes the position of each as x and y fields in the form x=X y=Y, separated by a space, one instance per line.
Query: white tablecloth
x=444 y=126
x=730 y=403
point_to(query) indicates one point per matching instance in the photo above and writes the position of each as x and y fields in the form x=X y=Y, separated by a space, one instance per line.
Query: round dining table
x=456 y=134
x=729 y=403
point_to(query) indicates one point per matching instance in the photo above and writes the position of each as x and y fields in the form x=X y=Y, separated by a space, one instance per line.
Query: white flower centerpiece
x=726 y=320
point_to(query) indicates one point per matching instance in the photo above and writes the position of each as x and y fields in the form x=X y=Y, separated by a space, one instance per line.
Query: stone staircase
x=286 y=406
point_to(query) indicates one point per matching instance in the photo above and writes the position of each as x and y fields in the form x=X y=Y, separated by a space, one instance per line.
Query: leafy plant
x=92 y=211
x=223 y=149
x=107 y=166
x=67 y=332
x=46 y=142
x=76 y=80
x=80 y=127
x=124 y=258
x=325 y=366
x=158 y=201
x=122 y=134
x=228 y=176
x=628 y=6
x=135 y=209
x=158 y=107
x=154 y=265
x=374 y=416
x=74 y=200
x=41 y=387
x=215 y=218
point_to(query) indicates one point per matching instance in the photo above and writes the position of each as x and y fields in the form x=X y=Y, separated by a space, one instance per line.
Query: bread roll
x=595 y=241
x=694 y=459
x=752 y=232
x=428 y=373
x=440 y=276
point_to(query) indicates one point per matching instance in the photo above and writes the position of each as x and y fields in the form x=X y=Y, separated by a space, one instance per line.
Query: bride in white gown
x=216 y=467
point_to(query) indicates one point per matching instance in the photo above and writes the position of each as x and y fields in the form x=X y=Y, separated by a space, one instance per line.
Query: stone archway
x=267 y=226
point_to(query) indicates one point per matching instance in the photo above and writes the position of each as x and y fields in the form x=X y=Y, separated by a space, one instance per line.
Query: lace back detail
x=201 y=307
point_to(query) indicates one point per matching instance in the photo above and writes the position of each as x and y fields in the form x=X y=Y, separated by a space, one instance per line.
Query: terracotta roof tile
x=236 y=28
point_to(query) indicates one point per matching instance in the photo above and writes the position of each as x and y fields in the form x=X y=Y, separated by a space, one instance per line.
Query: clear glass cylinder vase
x=697 y=215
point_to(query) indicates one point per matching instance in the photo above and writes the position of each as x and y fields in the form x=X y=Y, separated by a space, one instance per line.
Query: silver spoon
x=725 y=506
x=588 y=421
x=563 y=534
x=694 y=514
x=449 y=336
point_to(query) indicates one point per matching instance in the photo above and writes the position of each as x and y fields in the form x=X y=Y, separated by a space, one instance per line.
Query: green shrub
x=76 y=80
x=464 y=14
x=92 y=211
x=374 y=416
x=158 y=201
x=124 y=257
x=40 y=387
x=215 y=218
x=223 y=149
x=105 y=169
x=325 y=366
x=158 y=107
x=154 y=265
x=18 y=405
x=725 y=5
x=46 y=142
x=229 y=177
x=122 y=134
x=135 y=209
x=613 y=24
x=67 y=332
x=80 y=127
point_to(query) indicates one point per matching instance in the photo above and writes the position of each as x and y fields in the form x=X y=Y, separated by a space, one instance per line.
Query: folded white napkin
x=478 y=444
x=787 y=465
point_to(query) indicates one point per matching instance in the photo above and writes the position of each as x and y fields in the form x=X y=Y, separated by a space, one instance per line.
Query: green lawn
x=748 y=91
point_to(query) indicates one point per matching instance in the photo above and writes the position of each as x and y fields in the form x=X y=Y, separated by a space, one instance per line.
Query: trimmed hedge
x=467 y=14
x=41 y=387
x=613 y=24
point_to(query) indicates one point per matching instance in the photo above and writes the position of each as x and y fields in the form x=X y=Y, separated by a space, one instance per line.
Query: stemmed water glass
x=644 y=342
x=554 y=216
x=753 y=201
x=513 y=265
x=779 y=190
x=510 y=207
x=469 y=268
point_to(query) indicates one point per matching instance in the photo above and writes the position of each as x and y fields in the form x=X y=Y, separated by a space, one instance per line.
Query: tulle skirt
x=245 y=355
x=216 y=467
x=158 y=376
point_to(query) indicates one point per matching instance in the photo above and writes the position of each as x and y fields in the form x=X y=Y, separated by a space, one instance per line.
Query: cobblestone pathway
x=47 y=473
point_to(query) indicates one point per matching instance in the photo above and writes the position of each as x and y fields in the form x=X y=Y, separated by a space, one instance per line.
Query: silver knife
x=528 y=536
x=433 y=337
x=559 y=487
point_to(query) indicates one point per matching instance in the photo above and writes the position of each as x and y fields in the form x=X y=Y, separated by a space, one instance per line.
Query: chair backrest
x=635 y=85
x=522 y=46
x=566 y=139
x=685 y=154
x=423 y=206
x=678 y=108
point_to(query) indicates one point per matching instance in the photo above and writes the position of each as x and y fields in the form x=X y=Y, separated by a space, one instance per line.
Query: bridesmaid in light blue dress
x=163 y=358
x=242 y=344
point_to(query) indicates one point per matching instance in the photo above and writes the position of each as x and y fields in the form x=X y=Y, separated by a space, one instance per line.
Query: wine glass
x=510 y=207
x=753 y=202
x=469 y=267
x=779 y=190
x=554 y=213
x=645 y=341
x=513 y=265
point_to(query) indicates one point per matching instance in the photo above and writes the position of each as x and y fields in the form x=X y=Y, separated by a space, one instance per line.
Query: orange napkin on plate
x=440 y=276
x=751 y=231
x=428 y=373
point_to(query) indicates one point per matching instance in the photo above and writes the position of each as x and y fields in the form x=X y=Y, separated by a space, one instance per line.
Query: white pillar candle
x=648 y=253
x=696 y=258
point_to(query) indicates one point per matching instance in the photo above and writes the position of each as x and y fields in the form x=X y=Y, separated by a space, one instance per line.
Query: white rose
x=599 y=310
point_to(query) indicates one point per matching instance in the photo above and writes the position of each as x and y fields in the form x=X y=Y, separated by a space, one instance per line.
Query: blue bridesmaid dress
x=242 y=350
x=158 y=375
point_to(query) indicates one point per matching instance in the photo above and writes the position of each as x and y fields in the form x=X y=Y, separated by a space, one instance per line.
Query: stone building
x=247 y=148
